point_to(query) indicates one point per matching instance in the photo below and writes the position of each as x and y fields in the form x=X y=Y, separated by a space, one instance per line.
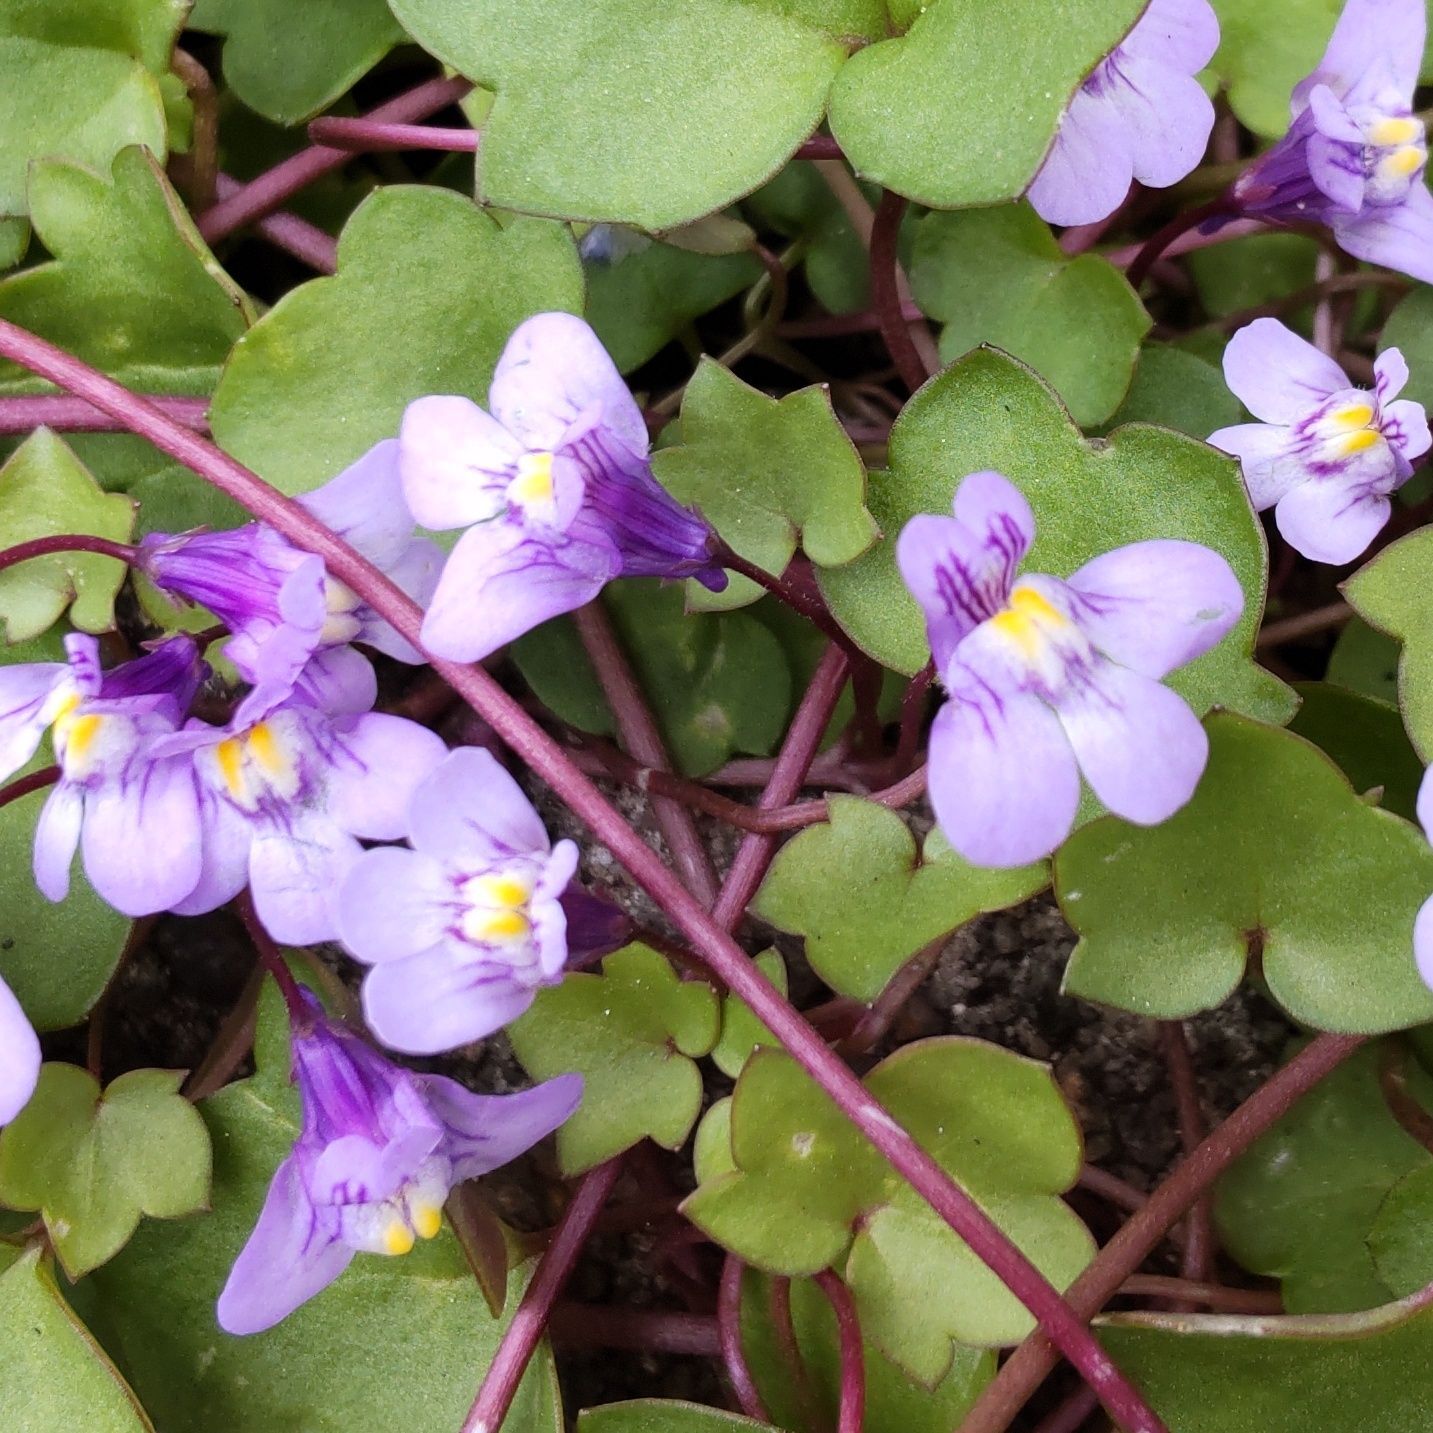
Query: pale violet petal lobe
x=1277 y=375
x=470 y=809
x=392 y=904
x=455 y=461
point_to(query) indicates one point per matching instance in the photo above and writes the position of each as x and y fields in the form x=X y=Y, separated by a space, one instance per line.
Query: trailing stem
x=65 y=542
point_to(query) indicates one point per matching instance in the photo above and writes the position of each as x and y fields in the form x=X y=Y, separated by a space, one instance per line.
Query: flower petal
x=1140 y=747
x=555 y=371
x=499 y=583
x=1330 y=522
x=1377 y=37
x=1183 y=34
x=295 y=876
x=485 y=1132
x=1167 y=120
x=1153 y=606
x=1405 y=425
x=470 y=810
x=392 y=904
x=24 y=688
x=57 y=833
x=549 y=915
x=1423 y=942
x=292 y=1255
x=1277 y=375
x=1396 y=236
x=1088 y=170
x=1390 y=371
x=227 y=840
x=455 y=461
x=1337 y=169
x=370 y=785
x=19 y=1057
x=1266 y=459
x=364 y=505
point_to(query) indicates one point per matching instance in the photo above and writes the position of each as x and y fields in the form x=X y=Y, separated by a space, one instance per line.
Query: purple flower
x=1049 y=678
x=1140 y=115
x=462 y=929
x=133 y=811
x=19 y=1057
x=553 y=486
x=1423 y=926
x=1354 y=156
x=1326 y=454
x=289 y=787
x=379 y=1151
x=277 y=601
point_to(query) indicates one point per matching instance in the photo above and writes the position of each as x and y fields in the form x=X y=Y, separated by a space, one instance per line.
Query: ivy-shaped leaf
x=1276 y=856
x=1253 y=270
x=54 y=1374
x=631 y=1033
x=291 y=61
x=1387 y=594
x=132 y=288
x=427 y=292
x=767 y=473
x=997 y=276
x=807 y=1192
x=1299 y=1205
x=962 y=109
x=988 y=411
x=1365 y=660
x=867 y=900
x=45 y=490
x=1401 y=1239
x=145 y=29
x=1177 y=389
x=91 y=1163
x=718 y=682
x=639 y=111
x=742 y=1033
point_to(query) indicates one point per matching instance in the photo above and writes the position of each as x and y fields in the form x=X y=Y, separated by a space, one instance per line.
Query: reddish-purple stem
x=270 y=190
x=1181 y=224
x=357 y=136
x=22 y=413
x=1198 y=1257
x=790 y=590
x=886 y=294
x=852 y=1412
x=306 y=242
x=522 y=1336
x=738 y=1374
x=871 y=1028
x=819 y=146
x=65 y=542
x=1072 y=1414
x=273 y=961
x=723 y=956
x=641 y=1330
x=24 y=785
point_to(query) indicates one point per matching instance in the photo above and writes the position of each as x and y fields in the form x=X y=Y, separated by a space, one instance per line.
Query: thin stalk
x=1306 y=624
x=872 y=1026
x=358 y=136
x=297 y=237
x=24 y=785
x=273 y=961
x=232 y=1043
x=1198 y=1293
x=1028 y=1366
x=273 y=188
x=640 y=1330
x=1187 y=243
x=722 y=955
x=738 y=1373
x=886 y=295
x=852 y=1412
x=1112 y=1189
x=200 y=166
x=819 y=146
x=643 y=739
x=798 y=1375
x=1181 y=224
x=1198 y=1257
x=789 y=592
x=65 y=542
x=1402 y=1103
x=1311 y=294
x=22 y=413
x=534 y=1312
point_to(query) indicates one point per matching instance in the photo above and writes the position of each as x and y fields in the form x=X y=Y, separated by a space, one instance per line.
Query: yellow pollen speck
x=77 y=733
x=1361 y=441
x=1356 y=415
x=533 y=483
x=230 y=756
x=1023 y=620
x=397 y=1238
x=500 y=925
x=267 y=752
x=1403 y=162
x=1389 y=132
x=427 y=1220
x=502 y=891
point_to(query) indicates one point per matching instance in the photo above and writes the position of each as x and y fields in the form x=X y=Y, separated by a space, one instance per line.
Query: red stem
x=641 y=1330
x=1144 y=261
x=787 y=589
x=524 y=1333
x=722 y=955
x=853 y=1355
x=885 y=292
x=357 y=136
x=306 y=242
x=24 y=785
x=65 y=542
x=729 y=1334
x=1198 y=1257
x=1072 y=1414
x=300 y=1016
x=24 y=412
x=819 y=146
x=270 y=190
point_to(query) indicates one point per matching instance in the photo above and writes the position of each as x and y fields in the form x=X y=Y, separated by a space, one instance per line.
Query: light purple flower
x=553 y=486
x=277 y=601
x=19 y=1057
x=1423 y=926
x=463 y=929
x=133 y=811
x=379 y=1152
x=289 y=787
x=1325 y=455
x=1140 y=115
x=1354 y=156
x=1050 y=678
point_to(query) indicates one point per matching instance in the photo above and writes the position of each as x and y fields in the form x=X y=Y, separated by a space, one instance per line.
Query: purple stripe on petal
x=1329 y=521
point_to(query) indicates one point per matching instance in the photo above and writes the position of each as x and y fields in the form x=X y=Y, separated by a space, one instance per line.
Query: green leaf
x=291 y=61
x=997 y=276
x=427 y=292
x=741 y=1032
x=1213 y=1374
x=799 y=204
x=717 y=683
x=806 y=1398
x=866 y=900
x=1387 y=594
x=145 y=29
x=54 y=1376
x=640 y=111
x=1257 y=269
x=961 y=110
x=1178 y=389
x=45 y=490
x=1401 y=1239
x=92 y=1163
x=132 y=288
x=1410 y=328
x=639 y=303
x=630 y=1033
x=1366 y=740
x=808 y=1192
x=767 y=473
x=1275 y=854
x=663 y=1415
x=988 y=411
x=1299 y=1205
x=1365 y=660
x=393 y=1343
x=1265 y=50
